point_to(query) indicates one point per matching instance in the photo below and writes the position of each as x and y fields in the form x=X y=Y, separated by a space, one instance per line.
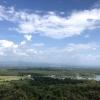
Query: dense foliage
x=42 y=88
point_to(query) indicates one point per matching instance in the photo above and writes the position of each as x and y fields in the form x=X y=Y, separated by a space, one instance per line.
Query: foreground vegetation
x=42 y=88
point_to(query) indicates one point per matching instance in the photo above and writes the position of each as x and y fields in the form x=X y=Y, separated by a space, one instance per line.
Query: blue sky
x=50 y=31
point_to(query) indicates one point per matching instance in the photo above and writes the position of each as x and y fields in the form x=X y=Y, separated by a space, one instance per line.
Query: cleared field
x=10 y=78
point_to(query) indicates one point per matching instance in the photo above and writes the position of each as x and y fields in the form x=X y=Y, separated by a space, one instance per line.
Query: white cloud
x=7 y=44
x=9 y=48
x=55 y=26
x=26 y=27
x=23 y=42
x=81 y=47
x=51 y=24
x=28 y=37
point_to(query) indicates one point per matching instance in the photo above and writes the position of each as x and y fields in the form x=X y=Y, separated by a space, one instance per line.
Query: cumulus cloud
x=11 y=48
x=51 y=24
x=7 y=44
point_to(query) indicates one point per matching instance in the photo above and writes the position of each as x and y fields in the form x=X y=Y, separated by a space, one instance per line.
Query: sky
x=50 y=31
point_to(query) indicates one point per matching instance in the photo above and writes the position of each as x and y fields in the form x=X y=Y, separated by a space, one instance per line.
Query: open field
x=10 y=78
